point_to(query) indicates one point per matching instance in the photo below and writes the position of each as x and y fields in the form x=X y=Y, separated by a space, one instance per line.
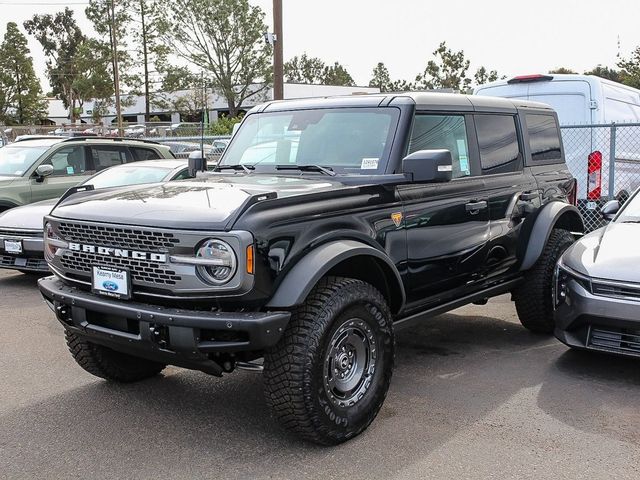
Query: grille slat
x=615 y=340
x=33 y=263
x=20 y=233
x=118 y=237
x=616 y=290
x=143 y=272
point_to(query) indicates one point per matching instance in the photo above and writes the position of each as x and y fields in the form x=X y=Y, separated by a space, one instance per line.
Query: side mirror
x=428 y=166
x=43 y=171
x=196 y=163
x=610 y=209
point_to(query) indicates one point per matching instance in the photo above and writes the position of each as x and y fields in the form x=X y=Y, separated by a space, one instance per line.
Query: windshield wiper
x=308 y=168
x=246 y=168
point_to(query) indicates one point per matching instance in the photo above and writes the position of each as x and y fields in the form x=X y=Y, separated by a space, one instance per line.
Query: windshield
x=631 y=210
x=16 y=160
x=123 y=176
x=347 y=140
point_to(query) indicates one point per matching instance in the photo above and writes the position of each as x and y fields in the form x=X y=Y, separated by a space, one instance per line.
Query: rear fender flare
x=552 y=215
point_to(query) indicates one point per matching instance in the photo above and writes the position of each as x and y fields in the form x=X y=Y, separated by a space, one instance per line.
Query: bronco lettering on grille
x=118 y=252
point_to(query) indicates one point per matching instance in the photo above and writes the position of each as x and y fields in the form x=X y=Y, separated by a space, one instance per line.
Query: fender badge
x=397 y=218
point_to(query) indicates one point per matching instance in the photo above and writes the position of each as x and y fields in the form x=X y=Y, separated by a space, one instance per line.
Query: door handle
x=528 y=196
x=475 y=207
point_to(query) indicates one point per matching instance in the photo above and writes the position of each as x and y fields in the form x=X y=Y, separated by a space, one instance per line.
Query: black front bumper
x=186 y=338
x=597 y=322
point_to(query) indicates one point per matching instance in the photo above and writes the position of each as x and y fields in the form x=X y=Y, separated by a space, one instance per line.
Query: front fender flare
x=552 y=215
x=300 y=280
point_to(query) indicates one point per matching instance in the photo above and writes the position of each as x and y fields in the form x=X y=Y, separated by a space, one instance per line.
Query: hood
x=6 y=180
x=27 y=217
x=210 y=203
x=610 y=253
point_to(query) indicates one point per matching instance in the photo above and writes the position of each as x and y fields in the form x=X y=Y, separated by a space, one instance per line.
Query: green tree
x=224 y=38
x=483 y=76
x=448 y=70
x=630 y=69
x=304 y=69
x=604 y=72
x=336 y=74
x=21 y=99
x=563 y=70
x=380 y=78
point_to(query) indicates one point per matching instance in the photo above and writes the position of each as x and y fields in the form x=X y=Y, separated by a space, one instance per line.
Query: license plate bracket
x=112 y=282
x=13 y=246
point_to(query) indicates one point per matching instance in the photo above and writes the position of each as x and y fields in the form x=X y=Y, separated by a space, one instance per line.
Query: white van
x=586 y=100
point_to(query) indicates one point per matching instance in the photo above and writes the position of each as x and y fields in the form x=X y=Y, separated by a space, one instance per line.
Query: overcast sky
x=511 y=37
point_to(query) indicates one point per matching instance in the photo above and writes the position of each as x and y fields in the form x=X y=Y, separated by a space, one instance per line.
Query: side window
x=140 y=153
x=107 y=156
x=68 y=161
x=433 y=132
x=183 y=175
x=498 y=142
x=544 y=139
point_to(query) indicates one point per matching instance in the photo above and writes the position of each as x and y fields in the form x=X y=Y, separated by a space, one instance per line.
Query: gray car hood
x=612 y=253
x=6 y=179
x=27 y=217
x=211 y=203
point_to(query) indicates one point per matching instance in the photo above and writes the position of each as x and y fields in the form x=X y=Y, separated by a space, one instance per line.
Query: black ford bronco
x=327 y=225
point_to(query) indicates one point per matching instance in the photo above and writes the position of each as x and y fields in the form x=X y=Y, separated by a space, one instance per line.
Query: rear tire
x=533 y=299
x=328 y=376
x=109 y=364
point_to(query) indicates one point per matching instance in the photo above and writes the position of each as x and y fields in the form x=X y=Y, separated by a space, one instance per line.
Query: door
x=512 y=190
x=447 y=224
x=70 y=167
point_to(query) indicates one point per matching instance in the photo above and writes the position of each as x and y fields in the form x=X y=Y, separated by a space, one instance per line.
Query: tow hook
x=160 y=335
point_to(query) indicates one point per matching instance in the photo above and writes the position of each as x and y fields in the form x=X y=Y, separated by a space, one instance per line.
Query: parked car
x=391 y=209
x=21 y=232
x=43 y=167
x=212 y=150
x=135 y=131
x=597 y=285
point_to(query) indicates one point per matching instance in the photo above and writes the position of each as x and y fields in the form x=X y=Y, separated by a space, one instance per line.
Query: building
x=133 y=109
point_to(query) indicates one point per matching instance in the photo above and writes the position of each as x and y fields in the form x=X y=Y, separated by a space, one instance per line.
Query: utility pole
x=278 y=64
x=116 y=75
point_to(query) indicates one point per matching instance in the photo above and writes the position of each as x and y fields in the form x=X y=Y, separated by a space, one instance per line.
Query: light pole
x=278 y=64
x=116 y=76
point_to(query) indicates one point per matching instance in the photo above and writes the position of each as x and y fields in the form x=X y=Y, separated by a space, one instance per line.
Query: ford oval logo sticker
x=110 y=286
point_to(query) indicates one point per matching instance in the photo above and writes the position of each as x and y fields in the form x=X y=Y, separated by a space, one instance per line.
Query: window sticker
x=70 y=170
x=369 y=164
x=463 y=159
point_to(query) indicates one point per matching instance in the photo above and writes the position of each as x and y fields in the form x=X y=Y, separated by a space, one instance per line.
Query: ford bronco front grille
x=142 y=271
x=119 y=237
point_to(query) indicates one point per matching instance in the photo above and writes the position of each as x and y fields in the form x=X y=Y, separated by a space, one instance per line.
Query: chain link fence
x=605 y=159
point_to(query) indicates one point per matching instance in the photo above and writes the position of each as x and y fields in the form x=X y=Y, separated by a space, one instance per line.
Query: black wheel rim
x=350 y=362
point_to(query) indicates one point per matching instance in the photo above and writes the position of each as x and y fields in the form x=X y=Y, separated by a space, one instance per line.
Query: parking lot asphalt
x=474 y=395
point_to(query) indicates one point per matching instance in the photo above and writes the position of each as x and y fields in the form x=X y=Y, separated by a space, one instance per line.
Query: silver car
x=597 y=285
x=21 y=228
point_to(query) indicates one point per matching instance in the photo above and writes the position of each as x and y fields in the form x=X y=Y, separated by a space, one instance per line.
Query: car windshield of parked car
x=347 y=140
x=123 y=176
x=631 y=211
x=16 y=160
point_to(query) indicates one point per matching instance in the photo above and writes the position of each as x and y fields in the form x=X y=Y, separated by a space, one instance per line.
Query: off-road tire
x=295 y=379
x=534 y=299
x=109 y=364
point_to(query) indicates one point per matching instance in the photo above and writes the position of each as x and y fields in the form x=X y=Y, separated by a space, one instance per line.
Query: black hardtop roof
x=422 y=101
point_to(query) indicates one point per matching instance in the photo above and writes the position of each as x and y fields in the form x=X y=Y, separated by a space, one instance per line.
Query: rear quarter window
x=498 y=143
x=544 y=139
x=141 y=153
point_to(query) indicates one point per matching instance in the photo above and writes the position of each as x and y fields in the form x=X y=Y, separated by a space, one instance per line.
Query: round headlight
x=219 y=261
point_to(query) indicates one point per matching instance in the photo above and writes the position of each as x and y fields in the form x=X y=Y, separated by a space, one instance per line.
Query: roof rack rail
x=22 y=138
x=113 y=139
